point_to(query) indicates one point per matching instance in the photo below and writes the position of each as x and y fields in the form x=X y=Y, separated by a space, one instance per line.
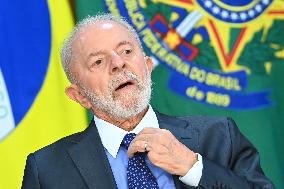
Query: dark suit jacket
x=79 y=161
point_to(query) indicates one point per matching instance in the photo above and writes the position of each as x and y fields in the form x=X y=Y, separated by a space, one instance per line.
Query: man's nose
x=117 y=63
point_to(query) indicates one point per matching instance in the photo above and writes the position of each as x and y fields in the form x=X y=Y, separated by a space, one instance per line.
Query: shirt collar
x=111 y=135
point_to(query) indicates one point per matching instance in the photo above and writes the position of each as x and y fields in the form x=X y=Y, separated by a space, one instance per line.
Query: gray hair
x=67 y=54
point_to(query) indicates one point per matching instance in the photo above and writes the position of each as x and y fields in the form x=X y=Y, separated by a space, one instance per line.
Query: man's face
x=111 y=69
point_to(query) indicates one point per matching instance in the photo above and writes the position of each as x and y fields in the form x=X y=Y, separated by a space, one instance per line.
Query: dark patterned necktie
x=138 y=173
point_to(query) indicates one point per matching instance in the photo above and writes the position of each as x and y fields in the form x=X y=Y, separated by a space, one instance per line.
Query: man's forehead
x=103 y=26
x=86 y=40
x=103 y=29
x=107 y=25
x=106 y=29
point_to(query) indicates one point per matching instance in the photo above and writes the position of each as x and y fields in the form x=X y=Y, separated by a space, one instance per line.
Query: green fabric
x=84 y=8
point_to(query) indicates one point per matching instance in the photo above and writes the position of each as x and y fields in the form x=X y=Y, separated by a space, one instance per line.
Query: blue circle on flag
x=236 y=3
x=235 y=11
x=25 y=41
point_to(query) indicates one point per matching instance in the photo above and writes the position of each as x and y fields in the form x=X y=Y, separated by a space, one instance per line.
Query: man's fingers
x=137 y=146
x=149 y=130
x=150 y=134
x=144 y=137
x=164 y=150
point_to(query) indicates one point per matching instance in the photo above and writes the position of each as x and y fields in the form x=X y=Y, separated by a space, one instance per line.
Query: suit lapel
x=90 y=158
x=184 y=132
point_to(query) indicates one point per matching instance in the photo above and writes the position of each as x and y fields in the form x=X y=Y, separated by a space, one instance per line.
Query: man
x=110 y=75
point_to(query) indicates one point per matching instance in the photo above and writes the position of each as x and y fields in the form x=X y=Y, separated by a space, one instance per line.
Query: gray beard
x=125 y=106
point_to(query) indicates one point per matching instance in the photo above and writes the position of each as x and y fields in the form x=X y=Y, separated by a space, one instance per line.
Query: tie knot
x=127 y=139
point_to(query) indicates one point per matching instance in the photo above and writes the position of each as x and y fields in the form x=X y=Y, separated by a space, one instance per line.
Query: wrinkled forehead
x=100 y=36
x=105 y=31
x=99 y=26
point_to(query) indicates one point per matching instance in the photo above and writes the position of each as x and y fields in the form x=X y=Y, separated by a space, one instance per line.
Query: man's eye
x=98 y=62
x=127 y=51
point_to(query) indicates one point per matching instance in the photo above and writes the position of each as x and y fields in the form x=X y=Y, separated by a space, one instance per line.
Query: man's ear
x=149 y=63
x=74 y=93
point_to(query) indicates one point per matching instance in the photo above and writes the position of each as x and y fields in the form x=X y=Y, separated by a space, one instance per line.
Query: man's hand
x=164 y=150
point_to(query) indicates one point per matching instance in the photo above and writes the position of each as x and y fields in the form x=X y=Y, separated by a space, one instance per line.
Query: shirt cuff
x=194 y=174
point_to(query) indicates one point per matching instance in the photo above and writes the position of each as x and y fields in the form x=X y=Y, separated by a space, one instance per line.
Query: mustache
x=122 y=76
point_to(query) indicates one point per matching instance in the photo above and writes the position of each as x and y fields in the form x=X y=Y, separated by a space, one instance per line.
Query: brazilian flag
x=215 y=58
x=34 y=111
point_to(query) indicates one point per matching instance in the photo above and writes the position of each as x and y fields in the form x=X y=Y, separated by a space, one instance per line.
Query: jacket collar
x=91 y=160
x=181 y=129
